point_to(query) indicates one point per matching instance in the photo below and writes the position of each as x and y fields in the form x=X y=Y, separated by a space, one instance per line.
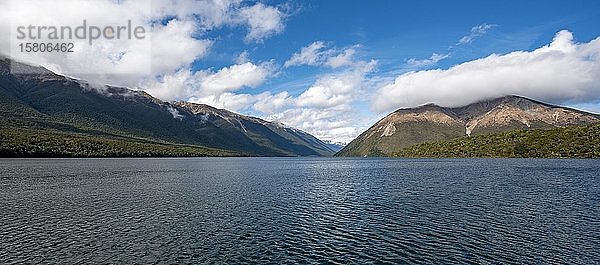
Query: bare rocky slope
x=429 y=123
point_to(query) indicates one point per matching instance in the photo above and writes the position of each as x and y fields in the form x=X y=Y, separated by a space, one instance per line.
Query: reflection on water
x=299 y=210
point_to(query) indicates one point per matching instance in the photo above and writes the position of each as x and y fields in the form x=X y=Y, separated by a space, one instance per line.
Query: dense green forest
x=21 y=142
x=567 y=142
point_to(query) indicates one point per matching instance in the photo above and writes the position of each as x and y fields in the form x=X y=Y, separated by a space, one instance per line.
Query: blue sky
x=393 y=32
x=396 y=30
x=333 y=68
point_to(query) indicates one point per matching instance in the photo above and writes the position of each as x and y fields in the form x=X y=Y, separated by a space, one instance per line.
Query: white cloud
x=269 y=103
x=331 y=91
x=170 y=86
x=325 y=124
x=325 y=109
x=561 y=72
x=174 y=46
x=175 y=34
x=345 y=58
x=476 y=31
x=434 y=59
x=211 y=13
x=209 y=85
x=309 y=55
x=263 y=21
x=317 y=54
x=233 y=77
x=116 y=56
x=228 y=101
x=242 y=58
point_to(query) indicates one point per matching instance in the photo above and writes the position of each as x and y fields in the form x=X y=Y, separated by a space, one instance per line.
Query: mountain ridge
x=428 y=123
x=44 y=101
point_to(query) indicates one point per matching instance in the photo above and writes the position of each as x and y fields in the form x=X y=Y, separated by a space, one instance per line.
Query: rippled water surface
x=299 y=210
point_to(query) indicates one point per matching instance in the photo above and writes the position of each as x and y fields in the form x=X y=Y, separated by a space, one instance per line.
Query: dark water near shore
x=299 y=210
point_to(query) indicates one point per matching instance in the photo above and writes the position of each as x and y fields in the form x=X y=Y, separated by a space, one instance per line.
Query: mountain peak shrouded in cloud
x=561 y=72
x=178 y=34
x=74 y=119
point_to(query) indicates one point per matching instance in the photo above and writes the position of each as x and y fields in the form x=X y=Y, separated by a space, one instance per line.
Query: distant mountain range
x=333 y=145
x=46 y=114
x=405 y=128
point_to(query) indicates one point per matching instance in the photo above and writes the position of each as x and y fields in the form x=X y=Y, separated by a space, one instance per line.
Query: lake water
x=299 y=210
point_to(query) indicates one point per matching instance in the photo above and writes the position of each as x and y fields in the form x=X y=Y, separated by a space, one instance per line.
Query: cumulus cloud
x=325 y=109
x=233 y=77
x=161 y=63
x=115 y=56
x=229 y=101
x=175 y=34
x=210 y=13
x=208 y=86
x=476 y=31
x=560 y=72
x=345 y=58
x=325 y=124
x=263 y=21
x=336 y=91
x=173 y=86
x=331 y=91
x=179 y=34
x=268 y=103
x=309 y=55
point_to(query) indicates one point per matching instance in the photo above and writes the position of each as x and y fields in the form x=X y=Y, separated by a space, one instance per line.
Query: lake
x=299 y=210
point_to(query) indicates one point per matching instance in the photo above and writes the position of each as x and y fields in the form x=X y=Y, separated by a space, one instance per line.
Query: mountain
x=42 y=104
x=276 y=136
x=429 y=123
